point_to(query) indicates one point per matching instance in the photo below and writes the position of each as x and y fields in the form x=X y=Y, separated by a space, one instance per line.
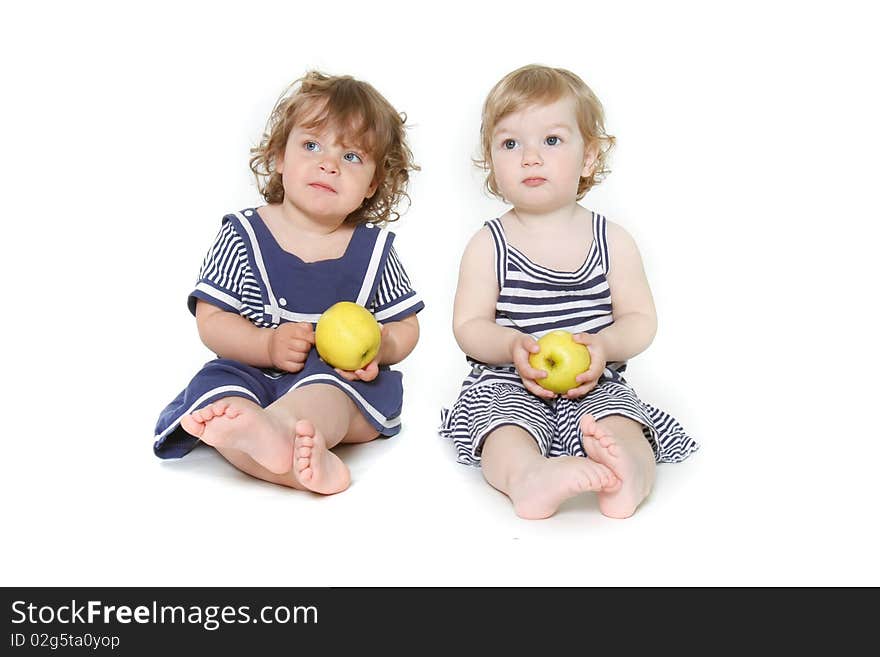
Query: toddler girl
x=549 y=264
x=332 y=163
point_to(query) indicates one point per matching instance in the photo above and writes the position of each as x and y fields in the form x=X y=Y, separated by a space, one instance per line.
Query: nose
x=329 y=165
x=531 y=156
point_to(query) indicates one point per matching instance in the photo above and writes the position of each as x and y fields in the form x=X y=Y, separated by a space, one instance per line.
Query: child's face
x=323 y=176
x=539 y=156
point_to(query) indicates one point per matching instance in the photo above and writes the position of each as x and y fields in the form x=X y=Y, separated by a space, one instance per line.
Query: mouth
x=322 y=187
x=534 y=182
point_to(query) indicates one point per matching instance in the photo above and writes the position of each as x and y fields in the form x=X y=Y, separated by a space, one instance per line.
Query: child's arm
x=398 y=340
x=473 y=319
x=232 y=336
x=635 y=318
x=632 y=307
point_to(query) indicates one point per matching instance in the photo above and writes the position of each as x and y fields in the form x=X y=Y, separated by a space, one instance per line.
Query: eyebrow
x=312 y=133
x=556 y=126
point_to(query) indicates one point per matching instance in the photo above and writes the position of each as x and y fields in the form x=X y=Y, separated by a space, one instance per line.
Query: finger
x=365 y=375
x=348 y=376
x=291 y=366
x=531 y=373
x=585 y=377
x=299 y=344
x=305 y=331
x=297 y=356
x=537 y=390
x=596 y=370
x=370 y=372
x=582 y=338
x=525 y=369
x=580 y=391
x=530 y=344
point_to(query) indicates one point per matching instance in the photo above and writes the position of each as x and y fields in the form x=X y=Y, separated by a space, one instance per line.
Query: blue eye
x=352 y=157
x=508 y=144
x=312 y=146
x=552 y=140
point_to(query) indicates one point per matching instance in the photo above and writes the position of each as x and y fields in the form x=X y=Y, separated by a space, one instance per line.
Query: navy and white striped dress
x=537 y=300
x=248 y=273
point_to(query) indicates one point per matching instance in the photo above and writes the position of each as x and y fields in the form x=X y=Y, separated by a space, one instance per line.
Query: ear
x=371 y=189
x=279 y=163
x=590 y=154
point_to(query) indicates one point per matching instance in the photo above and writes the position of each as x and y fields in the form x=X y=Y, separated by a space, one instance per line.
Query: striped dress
x=537 y=300
x=248 y=273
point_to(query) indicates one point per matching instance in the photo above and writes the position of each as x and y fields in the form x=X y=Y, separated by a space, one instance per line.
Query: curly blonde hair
x=536 y=84
x=363 y=116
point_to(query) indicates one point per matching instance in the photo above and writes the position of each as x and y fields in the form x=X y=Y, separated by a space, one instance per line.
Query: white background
x=746 y=170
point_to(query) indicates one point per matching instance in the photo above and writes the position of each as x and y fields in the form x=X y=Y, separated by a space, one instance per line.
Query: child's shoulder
x=482 y=239
x=618 y=236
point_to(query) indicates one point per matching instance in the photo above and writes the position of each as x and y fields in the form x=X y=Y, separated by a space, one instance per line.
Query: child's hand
x=290 y=344
x=522 y=346
x=589 y=379
x=371 y=370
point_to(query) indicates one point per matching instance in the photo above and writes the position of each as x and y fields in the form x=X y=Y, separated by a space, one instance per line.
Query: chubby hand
x=371 y=370
x=589 y=379
x=522 y=347
x=290 y=344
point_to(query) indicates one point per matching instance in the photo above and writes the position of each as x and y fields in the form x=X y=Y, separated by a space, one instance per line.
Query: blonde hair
x=536 y=84
x=362 y=115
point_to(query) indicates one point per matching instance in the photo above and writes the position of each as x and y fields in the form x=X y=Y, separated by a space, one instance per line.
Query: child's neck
x=559 y=218
x=296 y=219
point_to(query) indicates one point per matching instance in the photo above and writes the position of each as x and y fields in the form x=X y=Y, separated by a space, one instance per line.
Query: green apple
x=562 y=358
x=347 y=336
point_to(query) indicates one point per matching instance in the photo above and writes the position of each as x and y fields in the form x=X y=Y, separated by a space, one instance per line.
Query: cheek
x=503 y=169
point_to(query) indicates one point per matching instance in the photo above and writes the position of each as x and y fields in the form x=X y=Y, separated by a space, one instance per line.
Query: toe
x=305 y=428
x=588 y=424
x=219 y=408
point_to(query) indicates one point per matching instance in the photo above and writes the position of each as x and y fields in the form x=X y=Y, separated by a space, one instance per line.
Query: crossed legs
x=620 y=468
x=289 y=441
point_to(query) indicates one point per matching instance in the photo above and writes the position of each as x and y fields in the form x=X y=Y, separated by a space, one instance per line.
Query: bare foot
x=316 y=467
x=621 y=499
x=241 y=424
x=541 y=489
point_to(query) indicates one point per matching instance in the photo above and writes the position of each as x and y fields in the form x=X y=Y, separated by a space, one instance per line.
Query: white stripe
x=372 y=268
x=273 y=307
x=220 y=296
x=547 y=309
x=526 y=276
x=291 y=316
x=210 y=393
x=576 y=319
x=561 y=294
x=398 y=307
x=381 y=419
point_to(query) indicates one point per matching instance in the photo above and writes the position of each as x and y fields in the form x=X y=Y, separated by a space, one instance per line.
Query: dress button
x=370 y=224
x=248 y=213
x=282 y=301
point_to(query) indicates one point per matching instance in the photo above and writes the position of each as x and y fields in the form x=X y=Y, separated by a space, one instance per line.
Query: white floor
x=750 y=508
x=745 y=164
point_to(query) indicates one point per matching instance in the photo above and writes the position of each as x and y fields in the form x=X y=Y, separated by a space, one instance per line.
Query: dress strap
x=601 y=239
x=497 y=233
x=272 y=311
x=382 y=240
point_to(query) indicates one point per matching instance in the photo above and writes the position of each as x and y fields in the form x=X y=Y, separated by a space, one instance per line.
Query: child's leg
x=536 y=485
x=618 y=443
x=263 y=442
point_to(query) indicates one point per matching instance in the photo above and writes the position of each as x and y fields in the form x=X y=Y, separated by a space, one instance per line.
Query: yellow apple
x=347 y=336
x=562 y=358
